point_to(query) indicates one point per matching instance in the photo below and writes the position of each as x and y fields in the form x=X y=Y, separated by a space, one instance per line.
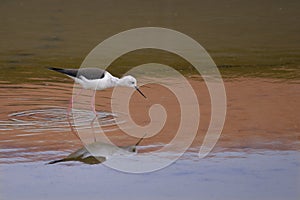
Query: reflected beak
x=139 y=91
x=140 y=140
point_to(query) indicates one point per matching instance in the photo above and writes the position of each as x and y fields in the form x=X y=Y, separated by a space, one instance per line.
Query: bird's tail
x=57 y=161
x=56 y=69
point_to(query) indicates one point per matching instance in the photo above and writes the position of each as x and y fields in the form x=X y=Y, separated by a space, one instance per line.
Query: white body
x=107 y=81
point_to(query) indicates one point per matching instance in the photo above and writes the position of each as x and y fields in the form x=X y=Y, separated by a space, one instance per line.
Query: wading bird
x=96 y=79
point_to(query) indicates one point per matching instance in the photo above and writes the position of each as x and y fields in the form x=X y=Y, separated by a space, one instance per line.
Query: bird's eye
x=132 y=82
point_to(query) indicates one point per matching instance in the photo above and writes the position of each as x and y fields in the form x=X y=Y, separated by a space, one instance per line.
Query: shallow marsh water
x=255 y=47
x=256 y=156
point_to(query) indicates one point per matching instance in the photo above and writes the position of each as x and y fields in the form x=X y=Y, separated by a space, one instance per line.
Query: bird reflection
x=98 y=152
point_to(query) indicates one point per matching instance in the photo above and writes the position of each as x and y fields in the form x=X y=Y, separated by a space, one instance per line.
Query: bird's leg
x=93 y=103
x=68 y=114
x=96 y=115
x=72 y=101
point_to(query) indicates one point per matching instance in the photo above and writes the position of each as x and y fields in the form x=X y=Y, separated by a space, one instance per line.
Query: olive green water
x=245 y=38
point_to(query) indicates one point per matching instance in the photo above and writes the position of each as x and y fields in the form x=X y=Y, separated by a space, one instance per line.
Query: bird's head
x=130 y=81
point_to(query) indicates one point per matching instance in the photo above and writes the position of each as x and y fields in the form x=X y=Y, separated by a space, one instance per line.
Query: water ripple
x=55 y=119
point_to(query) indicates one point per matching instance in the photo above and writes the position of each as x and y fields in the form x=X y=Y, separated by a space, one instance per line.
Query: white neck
x=120 y=82
x=114 y=81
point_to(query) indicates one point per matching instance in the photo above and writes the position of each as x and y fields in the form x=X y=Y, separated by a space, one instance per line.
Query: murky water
x=257 y=156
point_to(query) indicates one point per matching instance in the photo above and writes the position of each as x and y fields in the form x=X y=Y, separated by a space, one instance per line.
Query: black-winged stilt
x=96 y=79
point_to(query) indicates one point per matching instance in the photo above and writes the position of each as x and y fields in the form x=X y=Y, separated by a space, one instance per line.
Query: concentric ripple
x=55 y=119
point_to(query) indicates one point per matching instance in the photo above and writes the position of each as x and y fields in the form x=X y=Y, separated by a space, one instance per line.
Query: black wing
x=88 y=73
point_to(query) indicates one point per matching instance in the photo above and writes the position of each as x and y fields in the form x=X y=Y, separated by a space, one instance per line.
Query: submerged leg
x=93 y=128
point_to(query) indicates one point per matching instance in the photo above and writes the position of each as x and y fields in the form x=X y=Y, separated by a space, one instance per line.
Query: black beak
x=139 y=91
x=140 y=140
